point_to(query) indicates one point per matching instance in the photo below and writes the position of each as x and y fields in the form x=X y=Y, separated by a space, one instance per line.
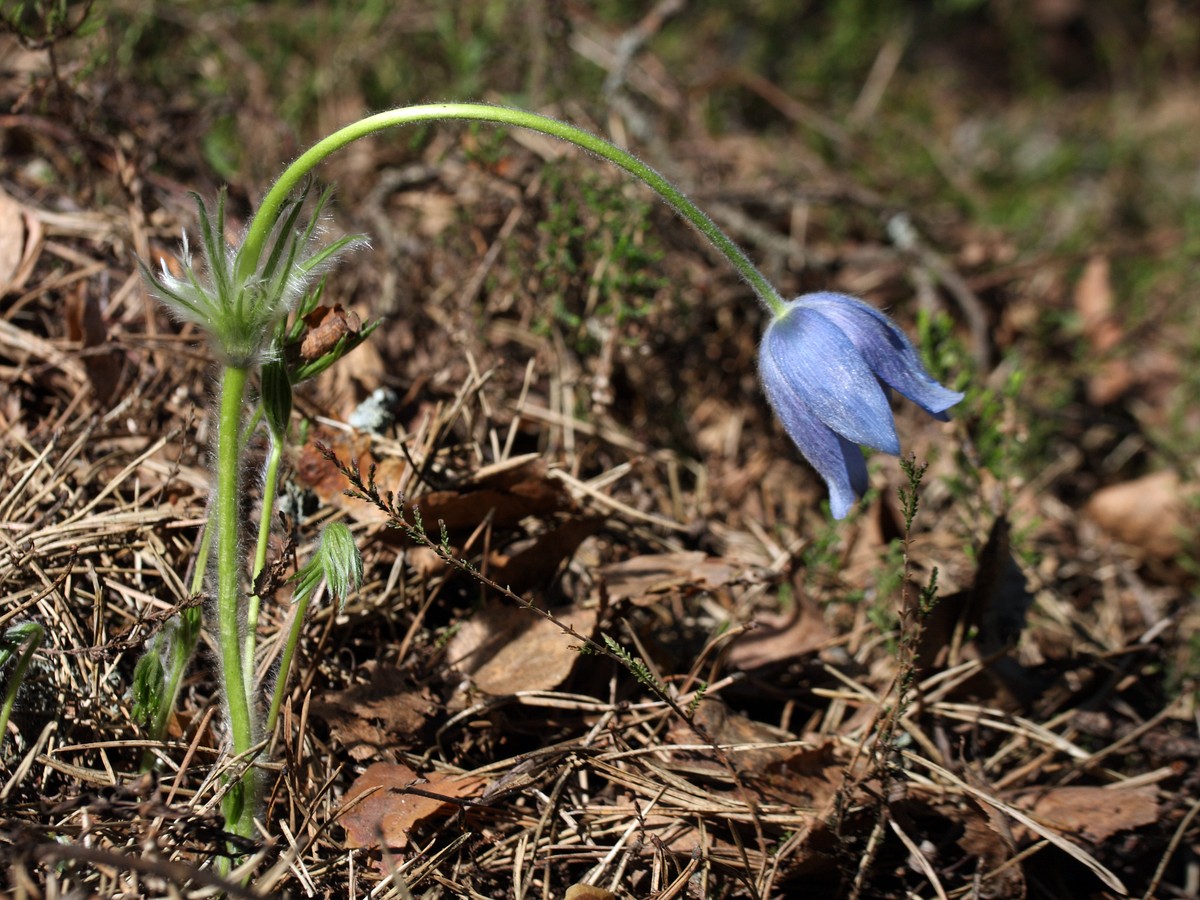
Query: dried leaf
x=321 y=476
x=1094 y=302
x=644 y=580
x=12 y=240
x=780 y=637
x=506 y=649
x=34 y=240
x=535 y=561
x=1094 y=813
x=1148 y=513
x=806 y=778
x=324 y=327
x=507 y=492
x=588 y=892
x=987 y=838
x=995 y=606
x=85 y=326
x=400 y=803
x=385 y=713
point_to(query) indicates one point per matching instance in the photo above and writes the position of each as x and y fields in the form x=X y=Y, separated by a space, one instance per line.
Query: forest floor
x=997 y=699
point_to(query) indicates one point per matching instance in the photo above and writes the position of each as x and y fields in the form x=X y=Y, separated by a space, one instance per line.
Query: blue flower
x=824 y=362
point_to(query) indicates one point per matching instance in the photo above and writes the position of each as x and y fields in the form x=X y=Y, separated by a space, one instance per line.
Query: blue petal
x=886 y=349
x=808 y=355
x=836 y=460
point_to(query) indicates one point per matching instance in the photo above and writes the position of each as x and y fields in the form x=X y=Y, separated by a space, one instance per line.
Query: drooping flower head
x=237 y=305
x=825 y=360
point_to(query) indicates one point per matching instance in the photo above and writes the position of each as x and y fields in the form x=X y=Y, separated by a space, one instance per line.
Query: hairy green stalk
x=293 y=175
x=239 y=806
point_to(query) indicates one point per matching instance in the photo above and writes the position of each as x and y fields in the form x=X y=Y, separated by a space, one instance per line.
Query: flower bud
x=337 y=561
x=276 y=396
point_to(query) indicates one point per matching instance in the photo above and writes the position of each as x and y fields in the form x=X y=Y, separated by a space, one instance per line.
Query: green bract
x=276 y=396
x=238 y=306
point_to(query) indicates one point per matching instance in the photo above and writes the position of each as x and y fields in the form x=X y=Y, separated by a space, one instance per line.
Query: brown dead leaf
x=12 y=240
x=1094 y=302
x=385 y=713
x=355 y=376
x=505 y=649
x=805 y=777
x=508 y=491
x=644 y=580
x=535 y=561
x=987 y=838
x=588 y=892
x=780 y=636
x=401 y=802
x=679 y=834
x=85 y=326
x=1112 y=381
x=322 y=477
x=1148 y=513
x=324 y=327
x=22 y=237
x=1093 y=813
x=995 y=606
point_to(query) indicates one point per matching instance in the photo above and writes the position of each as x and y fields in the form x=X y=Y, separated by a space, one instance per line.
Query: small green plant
x=596 y=257
x=825 y=360
x=40 y=24
x=18 y=642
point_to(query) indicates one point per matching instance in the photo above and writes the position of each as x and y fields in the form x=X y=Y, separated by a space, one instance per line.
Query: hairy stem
x=239 y=805
x=268 y=211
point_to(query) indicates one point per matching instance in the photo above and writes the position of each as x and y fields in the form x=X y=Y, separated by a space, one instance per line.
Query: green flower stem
x=28 y=635
x=270 y=485
x=299 y=609
x=226 y=520
x=268 y=211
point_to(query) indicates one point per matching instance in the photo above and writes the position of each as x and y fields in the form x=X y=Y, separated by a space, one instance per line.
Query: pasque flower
x=825 y=362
